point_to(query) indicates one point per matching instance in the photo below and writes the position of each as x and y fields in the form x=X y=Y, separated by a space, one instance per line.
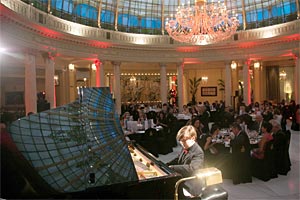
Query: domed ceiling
x=149 y=16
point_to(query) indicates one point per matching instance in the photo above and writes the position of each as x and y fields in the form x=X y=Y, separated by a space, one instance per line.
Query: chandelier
x=202 y=24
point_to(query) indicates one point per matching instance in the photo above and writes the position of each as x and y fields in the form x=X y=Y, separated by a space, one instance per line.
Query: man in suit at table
x=256 y=125
x=241 y=160
x=190 y=159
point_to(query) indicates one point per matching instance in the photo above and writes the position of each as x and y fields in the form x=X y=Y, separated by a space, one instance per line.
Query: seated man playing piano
x=190 y=159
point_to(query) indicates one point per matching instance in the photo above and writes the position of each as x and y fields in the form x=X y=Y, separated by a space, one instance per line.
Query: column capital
x=228 y=62
x=162 y=64
x=116 y=63
x=29 y=51
x=100 y=61
x=49 y=55
x=295 y=55
x=178 y=64
x=247 y=62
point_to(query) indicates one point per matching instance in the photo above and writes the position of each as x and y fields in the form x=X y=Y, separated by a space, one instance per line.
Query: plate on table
x=140 y=132
x=219 y=141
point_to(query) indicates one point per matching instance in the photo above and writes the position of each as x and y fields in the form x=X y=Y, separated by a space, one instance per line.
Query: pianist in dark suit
x=190 y=159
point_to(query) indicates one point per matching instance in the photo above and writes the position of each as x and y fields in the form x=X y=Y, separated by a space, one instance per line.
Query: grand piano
x=79 y=151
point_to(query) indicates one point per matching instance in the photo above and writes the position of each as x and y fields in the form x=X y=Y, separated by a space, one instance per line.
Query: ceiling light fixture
x=203 y=23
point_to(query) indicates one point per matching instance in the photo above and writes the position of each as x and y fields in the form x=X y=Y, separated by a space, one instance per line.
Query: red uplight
x=187 y=49
x=246 y=45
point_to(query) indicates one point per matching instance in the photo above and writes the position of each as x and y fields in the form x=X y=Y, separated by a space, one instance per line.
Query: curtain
x=273 y=88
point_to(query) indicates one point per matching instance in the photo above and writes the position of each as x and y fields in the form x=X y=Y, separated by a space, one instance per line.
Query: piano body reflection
x=79 y=151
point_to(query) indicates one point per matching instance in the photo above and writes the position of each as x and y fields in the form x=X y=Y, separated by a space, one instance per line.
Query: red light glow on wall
x=48 y=32
x=246 y=45
x=191 y=61
x=99 y=44
x=187 y=49
x=290 y=55
x=291 y=37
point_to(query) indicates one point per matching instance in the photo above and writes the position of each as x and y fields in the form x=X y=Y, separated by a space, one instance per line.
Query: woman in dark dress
x=210 y=151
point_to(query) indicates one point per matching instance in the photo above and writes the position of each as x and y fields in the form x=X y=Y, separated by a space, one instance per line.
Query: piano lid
x=78 y=145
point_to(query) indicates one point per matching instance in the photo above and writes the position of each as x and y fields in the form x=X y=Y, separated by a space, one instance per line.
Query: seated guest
x=204 y=117
x=246 y=122
x=282 y=162
x=142 y=117
x=161 y=120
x=215 y=153
x=257 y=124
x=124 y=118
x=225 y=118
x=210 y=151
x=198 y=126
x=277 y=115
x=242 y=110
x=134 y=113
x=241 y=161
x=185 y=110
x=267 y=113
x=190 y=159
x=257 y=109
x=267 y=136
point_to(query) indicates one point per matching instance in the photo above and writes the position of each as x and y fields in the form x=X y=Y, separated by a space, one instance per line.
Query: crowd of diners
x=216 y=113
x=266 y=122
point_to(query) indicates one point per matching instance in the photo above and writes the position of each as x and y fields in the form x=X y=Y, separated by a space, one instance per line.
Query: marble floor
x=283 y=187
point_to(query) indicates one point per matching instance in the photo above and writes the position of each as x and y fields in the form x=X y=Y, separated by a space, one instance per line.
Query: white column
x=101 y=74
x=228 y=90
x=180 y=85
x=246 y=80
x=98 y=73
x=30 y=84
x=49 y=80
x=62 y=96
x=72 y=84
x=93 y=74
x=185 y=83
x=117 y=86
x=163 y=84
x=257 y=87
x=297 y=79
x=235 y=85
x=100 y=81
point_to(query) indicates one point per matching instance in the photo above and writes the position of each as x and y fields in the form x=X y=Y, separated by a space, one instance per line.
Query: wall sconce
x=56 y=81
x=282 y=75
x=233 y=65
x=71 y=67
x=207 y=176
x=132 y=79
x=204 y=79
x=94 y=67
x=256 y=65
